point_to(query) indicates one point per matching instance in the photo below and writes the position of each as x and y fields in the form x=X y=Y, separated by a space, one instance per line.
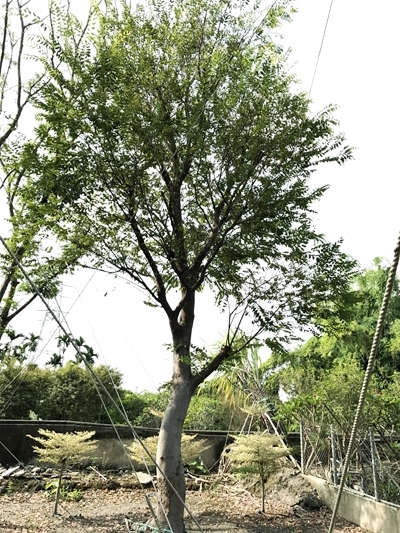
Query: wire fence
x=374 y=467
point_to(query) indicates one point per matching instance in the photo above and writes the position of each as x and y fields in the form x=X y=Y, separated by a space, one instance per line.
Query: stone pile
x=31 y=477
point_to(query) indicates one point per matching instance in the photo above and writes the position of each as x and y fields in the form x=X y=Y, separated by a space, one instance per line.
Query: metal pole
x=301 y=448
x=373 y=462
x=334 y=461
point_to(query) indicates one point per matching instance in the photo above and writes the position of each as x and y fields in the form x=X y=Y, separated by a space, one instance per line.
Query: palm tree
x=246 y=381
x=56 y=360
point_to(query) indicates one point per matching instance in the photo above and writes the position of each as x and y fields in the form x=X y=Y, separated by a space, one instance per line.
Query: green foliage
x=75 y=395
x=154 y=405
x=196 y=466
x=63 y=448
x=245 y=384
x=133 y=405
x=69 y=495
x=66 y=393
x=30 y=234
x=323 y=376
x=18 y=346
x=332 y=399
x=213 y=412
x=203 y=175
x=207 y=411
x=84 y=354
x=22 y=389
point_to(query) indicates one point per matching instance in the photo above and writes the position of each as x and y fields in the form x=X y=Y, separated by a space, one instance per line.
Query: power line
x=320 y=48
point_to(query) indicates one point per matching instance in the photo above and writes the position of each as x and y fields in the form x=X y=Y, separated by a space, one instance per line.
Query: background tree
x=74 y=395
x=23 y=388
x=323 y=376
x=17 y=24
x=86 y=352
x=210 y=410
x=133 y=405
x=19 y=346
x=332 y=399
x=174 y=140
x=67 y=393
x=246 y=381
x=142 y=409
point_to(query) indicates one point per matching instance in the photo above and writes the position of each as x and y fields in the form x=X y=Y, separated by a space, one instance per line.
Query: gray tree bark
x=170 y=476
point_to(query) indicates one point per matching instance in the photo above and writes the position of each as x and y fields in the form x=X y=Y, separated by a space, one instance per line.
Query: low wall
x=16 y=446
x=373 y=516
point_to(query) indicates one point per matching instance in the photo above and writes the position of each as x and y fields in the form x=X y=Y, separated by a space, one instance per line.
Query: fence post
x=373 y=463
x=334 y=462
x=301 y=447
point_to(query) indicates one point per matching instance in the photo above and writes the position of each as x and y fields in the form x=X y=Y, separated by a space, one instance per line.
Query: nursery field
x=118 y=507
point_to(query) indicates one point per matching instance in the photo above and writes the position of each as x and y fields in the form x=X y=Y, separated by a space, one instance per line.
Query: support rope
x=367 y=377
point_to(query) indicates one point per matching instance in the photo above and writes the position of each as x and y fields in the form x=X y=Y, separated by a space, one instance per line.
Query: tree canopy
x=187 y=165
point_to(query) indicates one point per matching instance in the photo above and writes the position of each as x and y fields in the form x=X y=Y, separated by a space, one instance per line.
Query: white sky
x=358 y=71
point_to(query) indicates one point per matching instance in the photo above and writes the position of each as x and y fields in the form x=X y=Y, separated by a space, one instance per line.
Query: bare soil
x=225 y=508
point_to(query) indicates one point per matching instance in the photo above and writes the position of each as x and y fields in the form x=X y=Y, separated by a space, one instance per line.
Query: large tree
x=174 y=139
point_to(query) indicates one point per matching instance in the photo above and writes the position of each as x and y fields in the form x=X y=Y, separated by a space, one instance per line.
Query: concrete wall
x=15 y=445
x=373 y=516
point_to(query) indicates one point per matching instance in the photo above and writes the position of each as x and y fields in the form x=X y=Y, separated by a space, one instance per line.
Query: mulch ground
x=224 y=509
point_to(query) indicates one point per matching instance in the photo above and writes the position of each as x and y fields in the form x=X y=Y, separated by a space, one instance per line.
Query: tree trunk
x=63 y=462
x=8 y=299
x=170 y=476
x=262 y=489
x=171 y=488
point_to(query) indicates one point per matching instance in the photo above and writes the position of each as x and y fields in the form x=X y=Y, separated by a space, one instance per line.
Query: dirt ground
x=225 y=508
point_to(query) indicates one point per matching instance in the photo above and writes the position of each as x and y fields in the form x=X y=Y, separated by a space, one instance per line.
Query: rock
x=112 y=484
x=10 y=471
x=18 y=473
x=310 y=501
x=144 y=479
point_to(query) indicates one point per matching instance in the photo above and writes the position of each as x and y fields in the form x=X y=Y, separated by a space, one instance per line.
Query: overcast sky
x=357 y=70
